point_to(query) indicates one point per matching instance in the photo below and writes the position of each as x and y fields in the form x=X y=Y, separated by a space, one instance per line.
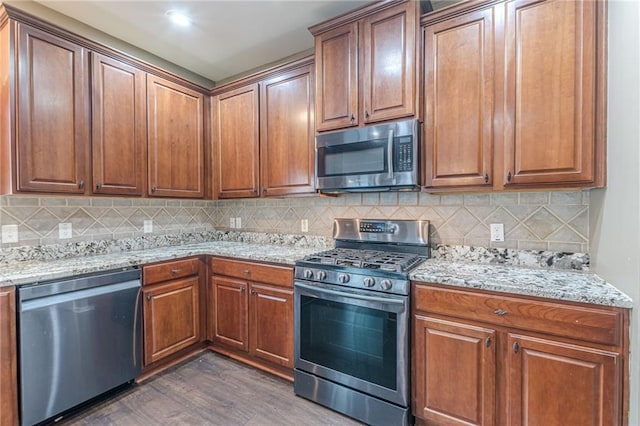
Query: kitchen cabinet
x=514 y=95
x=483 y=358
x=236 y=141
x=251 y=315
x=46 y=131
x=263 y=135
x=119 y=135
x=459 y=101
x=8 y=358
x=365 y=66
x=552 y=92
x=175 y=139
x=172 y=298
x=287 y=154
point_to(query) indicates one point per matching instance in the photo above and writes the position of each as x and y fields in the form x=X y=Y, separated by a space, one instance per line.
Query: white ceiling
x=226 y=37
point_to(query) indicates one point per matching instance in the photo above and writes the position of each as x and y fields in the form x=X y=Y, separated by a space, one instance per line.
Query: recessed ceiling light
x=178 y=18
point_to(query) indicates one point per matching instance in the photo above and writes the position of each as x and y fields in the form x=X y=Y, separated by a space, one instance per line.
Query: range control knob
x=308 y=274
x=369 y=282
x=343 y=278
x=386 y=284
x=321 y=275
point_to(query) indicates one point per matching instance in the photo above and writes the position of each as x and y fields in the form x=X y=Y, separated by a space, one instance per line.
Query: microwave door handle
x=390 y=154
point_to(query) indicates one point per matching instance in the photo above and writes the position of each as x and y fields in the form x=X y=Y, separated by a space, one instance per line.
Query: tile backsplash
x=555 y=221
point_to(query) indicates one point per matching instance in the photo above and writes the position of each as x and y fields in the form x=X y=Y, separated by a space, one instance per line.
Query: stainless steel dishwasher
x=78 y=338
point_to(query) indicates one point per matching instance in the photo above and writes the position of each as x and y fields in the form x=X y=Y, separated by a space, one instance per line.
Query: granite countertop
x=554 y=284
x=540 y=282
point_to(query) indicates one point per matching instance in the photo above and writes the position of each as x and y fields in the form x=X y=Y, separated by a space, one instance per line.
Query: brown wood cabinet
x=52 y=129
x=549 y=132
x=458 y=100
x=264 y=135
x=8 y=358
x=482 y=358
x=287 y=155
x=176 y=139
x=118 y=127
x=365 y=65
x=236 y=142
x=172 y=302
x=251 y=313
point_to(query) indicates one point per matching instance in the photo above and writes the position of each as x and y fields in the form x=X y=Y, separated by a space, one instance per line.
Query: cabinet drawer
x=250 y=271
x=597 y=325
x=170 y=270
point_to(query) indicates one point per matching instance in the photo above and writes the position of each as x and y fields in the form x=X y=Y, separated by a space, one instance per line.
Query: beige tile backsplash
x=555 y=221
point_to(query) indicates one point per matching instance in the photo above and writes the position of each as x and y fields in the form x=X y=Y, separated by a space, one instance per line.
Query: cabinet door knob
x=366 y=115
x=81 y=184
x=509 y=177
x=153 y=189
x=98 y=187
x=487 y=342
x=486 y=178
x=241 y=289
x=352 y=119
x=148 y=297
x=516 y=348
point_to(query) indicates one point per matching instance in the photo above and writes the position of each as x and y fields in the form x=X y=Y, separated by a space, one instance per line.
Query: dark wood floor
x=209 y=390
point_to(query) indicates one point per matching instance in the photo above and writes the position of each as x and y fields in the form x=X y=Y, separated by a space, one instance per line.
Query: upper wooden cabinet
x=551 y=95
x=118 y=127
x=287 y=155
x=263 y=135
x=458 y=100
x=365 y=66
x=176 y=139
x=514 y=95
x=52 y=129
x=236 y=141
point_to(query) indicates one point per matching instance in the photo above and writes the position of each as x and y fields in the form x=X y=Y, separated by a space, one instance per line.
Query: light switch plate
x=65 y=231
x=304 y=225
x=238 y=222
x=9 y=233
x=232 y=222
x=497 y=232
x=148 y=226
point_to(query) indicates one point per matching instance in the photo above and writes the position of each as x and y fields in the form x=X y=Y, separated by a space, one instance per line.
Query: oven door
x=355 y=338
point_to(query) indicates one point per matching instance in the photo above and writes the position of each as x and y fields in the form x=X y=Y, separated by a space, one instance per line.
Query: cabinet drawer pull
x=175 y=271
x=500 y=312
x=246 y=271
x=516 y=348
x=487 y=342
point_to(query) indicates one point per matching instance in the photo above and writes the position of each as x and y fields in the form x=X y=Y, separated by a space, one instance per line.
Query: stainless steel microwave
x=373 y=158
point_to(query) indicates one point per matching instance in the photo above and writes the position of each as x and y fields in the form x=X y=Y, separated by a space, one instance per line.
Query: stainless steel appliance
x=78 y=339
x=351 y=319
x=373 y=158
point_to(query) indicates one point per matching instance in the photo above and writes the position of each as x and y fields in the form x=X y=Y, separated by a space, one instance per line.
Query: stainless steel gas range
x=352 y=319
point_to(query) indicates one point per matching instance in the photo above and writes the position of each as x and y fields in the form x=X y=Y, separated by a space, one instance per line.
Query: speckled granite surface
x=548 y=283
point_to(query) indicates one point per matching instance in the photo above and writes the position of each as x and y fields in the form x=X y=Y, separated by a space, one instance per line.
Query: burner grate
x=366 y=259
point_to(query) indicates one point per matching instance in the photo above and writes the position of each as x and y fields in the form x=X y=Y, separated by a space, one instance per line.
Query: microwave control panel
x=404 y=155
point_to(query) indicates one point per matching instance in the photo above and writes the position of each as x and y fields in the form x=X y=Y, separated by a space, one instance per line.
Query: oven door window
x=354 y=340
x=355 y=158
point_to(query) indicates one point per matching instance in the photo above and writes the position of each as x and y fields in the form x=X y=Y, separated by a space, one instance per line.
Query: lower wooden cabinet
x=8 y=358
x=171 y=308
x=251 y=313
x=486 y=359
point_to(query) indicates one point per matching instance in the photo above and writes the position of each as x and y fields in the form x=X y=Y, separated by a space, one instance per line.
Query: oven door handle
x=393 y=305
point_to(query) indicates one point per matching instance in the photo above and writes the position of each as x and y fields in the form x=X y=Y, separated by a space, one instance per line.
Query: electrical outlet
x=497 y=232
x=148 y=226
x=65 y=231
x=9 y=233
x=238 y=222
x=304 y=225
x=232 y=222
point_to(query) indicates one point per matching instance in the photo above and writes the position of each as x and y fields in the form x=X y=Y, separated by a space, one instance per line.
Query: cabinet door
x=271 y=330
x=53 y=127
x=337 y=78
x=8 y=359
x=388 y=71
x=171 y=318
x=230 y=312
x=458 y=93
x=236 y=143
x=550 y=91
x=287 y=151
x=119 y=127
x=176 y=139
x=548 y=381
x=453 y=372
